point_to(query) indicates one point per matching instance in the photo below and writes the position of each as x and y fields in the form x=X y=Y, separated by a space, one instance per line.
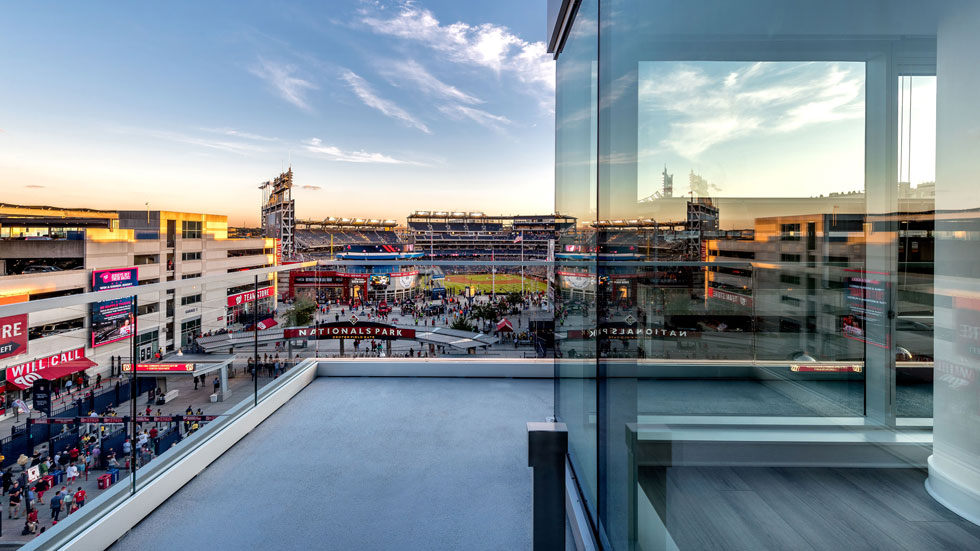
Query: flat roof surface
x=367 y=463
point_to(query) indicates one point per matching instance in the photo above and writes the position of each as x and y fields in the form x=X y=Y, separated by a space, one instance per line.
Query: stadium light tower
x=279 y=212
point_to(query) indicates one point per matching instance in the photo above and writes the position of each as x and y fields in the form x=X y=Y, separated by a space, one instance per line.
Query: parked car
x=38 y=269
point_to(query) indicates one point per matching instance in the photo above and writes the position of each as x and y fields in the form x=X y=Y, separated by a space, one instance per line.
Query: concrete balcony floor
x=367 y=463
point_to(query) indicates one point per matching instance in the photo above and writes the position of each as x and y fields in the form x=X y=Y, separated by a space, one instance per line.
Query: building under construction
x=279 y=212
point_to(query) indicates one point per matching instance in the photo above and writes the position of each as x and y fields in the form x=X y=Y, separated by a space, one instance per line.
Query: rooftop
x=368 y=463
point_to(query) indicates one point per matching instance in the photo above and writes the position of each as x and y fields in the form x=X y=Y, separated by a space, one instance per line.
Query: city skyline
x=371 y=103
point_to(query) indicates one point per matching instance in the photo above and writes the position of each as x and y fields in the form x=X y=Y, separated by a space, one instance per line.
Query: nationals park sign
x=353 y=329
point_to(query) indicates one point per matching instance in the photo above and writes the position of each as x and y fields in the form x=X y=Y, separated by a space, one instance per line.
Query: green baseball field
x=505 y=283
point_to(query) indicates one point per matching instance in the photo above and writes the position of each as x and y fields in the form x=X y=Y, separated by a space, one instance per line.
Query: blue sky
x=383 y=107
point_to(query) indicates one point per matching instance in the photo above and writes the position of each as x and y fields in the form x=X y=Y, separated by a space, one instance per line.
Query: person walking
x=30 y=498
x=217 y=384
x=14 y=502
x=66 y=501
x=40 y=488
x=80 y=497
x=56 y=506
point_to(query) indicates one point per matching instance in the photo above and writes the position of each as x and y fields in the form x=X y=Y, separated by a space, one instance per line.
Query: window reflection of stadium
x=776 y=291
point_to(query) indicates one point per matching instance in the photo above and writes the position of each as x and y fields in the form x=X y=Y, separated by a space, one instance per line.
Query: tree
x=301 y=313
x=462 y=324
x=485 y=312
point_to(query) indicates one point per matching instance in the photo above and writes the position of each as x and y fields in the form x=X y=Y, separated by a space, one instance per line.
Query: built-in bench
x=699 y=443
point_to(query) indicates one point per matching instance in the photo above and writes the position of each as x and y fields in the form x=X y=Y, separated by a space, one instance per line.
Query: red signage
x=101 y=419
x=157 y=368
x=278 y=252
x=249 y=296
x=823 y=368
x=347 y=330
x=24 y=375
x=13 y=336
x=54 y=421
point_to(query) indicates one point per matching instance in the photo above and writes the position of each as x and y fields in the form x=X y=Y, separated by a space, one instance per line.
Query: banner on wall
x=249 y=296
x=13 y=336
x=119 y=278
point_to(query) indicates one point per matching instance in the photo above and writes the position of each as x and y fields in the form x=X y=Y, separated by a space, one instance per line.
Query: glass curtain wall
x=755 y=262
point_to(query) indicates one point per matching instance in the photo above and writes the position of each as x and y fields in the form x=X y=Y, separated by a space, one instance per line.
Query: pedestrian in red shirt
x=153 y=432
x=80 y=497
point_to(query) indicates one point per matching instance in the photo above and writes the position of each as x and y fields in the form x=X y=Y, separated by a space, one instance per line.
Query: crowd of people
x=24 y=496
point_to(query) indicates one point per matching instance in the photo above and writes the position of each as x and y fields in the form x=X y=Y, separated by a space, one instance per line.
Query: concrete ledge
x=438 y=367
x=200 y=451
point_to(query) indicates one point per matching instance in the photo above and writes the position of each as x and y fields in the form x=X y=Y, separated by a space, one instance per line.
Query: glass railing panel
x=102 y=385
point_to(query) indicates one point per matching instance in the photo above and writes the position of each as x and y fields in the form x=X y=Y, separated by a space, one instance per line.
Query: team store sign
x=25 y=374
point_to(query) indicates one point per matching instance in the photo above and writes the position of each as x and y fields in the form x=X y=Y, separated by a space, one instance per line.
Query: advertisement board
x=159 y=368
x=112 y=320
x=41 y=394
x=13 y=336
x=119 y=278
x=380 y=282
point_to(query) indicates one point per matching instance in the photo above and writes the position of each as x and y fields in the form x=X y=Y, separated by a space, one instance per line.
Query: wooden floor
x=803 y=508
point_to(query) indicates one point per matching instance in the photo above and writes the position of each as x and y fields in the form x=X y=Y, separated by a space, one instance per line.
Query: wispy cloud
x=366 y=93
x=412 y=71
x=239 y=134
x=281 y=77
x=456 y=111
x=485 y=45
x=310 y=187
x=705 y=109
x=35 y=186
x=332 y=153
x=237 y=147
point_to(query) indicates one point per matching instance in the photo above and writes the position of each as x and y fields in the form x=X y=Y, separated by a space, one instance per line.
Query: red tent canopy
x=268 y=323
x=504 y=325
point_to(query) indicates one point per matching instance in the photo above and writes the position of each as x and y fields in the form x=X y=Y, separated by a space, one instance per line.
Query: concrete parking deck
x=367 y=463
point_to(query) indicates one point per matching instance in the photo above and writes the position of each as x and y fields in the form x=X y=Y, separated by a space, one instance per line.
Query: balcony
x=369 y=463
